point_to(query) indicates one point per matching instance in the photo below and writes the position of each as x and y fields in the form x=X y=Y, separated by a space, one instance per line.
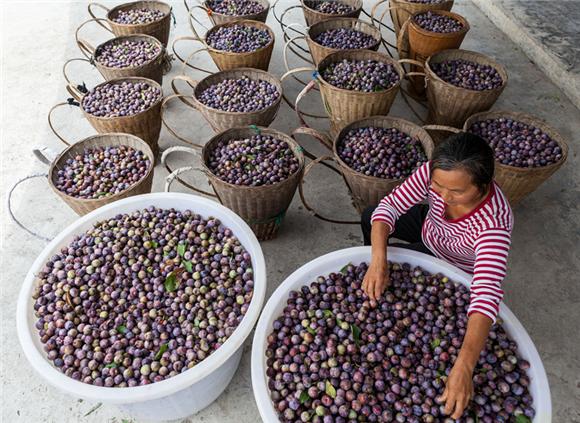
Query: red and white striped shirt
x=477 y=243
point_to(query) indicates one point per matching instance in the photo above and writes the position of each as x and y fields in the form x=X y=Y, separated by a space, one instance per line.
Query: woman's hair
x=468 y=152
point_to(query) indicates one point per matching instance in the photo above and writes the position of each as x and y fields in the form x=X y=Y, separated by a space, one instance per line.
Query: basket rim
x=295 y=147
x=338 y=138
x=387 y=58
x=415 y=3
x=144 y=147
x=495 y=64
x=517 y=116
x=264 y=3
x=453 y=15
x=346 y=20
x=116 y=80
x=247 y=22
x=223 y=112
x=122 y=6
x=122 y=37
x=342 y=15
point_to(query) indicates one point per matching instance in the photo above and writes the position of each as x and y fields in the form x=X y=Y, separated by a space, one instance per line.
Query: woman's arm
x=377 y=276
x=459 y=386
x=491 y=253
x=413 y=190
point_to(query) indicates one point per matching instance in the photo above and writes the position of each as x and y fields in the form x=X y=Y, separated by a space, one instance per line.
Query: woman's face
x=455 y=187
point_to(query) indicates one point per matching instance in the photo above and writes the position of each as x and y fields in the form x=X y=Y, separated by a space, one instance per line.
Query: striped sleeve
x=413 y=190
x=491 y=254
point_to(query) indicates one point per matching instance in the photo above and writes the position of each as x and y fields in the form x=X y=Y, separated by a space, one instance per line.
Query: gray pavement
x=542 y=287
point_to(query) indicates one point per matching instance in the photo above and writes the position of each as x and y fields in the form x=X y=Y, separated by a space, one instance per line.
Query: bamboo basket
x=145 y=125
x=519 y=182
x=153 y=69
x=365 y=190
x=224 y=60
x=158 y=29
x=402 y=10
x=220 y=18
x=220 y=120
x=423 y=44
x=84 y=206
x=319 y=52
x=451 y=105
x=263 y=207
x=313 y=16
x=346 y=106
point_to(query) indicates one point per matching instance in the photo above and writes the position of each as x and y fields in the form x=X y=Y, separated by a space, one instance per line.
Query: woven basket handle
x=163 y=111
x=416 y=63
x=174 y=175
x=441 y=128
x=321 y=137
x=288 y=46
x=85 y=47
x=65 y=66
x=403 y=33
x=299 y=98
x=286 y=27
x=106 y=9
x=310 y=208
x=287 y=100
x=186 y=62
x=374 y=12
x=192 y=17
x=192 y=84
x=50 y=121
x=183 y=38
x=187 y=5
x=11 y=213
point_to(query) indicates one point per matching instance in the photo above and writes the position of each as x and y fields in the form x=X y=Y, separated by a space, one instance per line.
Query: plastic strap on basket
x=11 y=213
x=311 y=209
x=163 y=111
x=174 y=175
x=255 y=128
x=178 y=149
x=107 y=10
x=292 y=72
x=276 y=219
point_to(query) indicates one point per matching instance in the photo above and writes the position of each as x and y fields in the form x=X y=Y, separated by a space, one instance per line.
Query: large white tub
x=181 y=395
x=332 y=262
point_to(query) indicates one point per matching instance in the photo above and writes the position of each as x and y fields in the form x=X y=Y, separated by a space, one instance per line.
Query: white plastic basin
x=332 y=262
x=181 y=395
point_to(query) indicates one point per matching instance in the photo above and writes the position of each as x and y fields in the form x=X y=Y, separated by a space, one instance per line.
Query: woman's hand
x=458 y=390
x=376 y=279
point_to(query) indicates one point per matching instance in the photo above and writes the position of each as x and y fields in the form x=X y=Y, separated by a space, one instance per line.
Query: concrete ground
x=542 y=287
x=548 y=33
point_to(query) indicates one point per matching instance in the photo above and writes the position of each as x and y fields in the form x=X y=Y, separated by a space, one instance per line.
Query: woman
x=468 y=223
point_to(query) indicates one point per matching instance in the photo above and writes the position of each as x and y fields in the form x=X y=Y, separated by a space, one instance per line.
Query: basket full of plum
x=332 y=35
x=461 y=83
x=254 y=171
x=322 y=10
x=376 y=154
x=139 y=17
x=101 y=169
x=527 y=150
